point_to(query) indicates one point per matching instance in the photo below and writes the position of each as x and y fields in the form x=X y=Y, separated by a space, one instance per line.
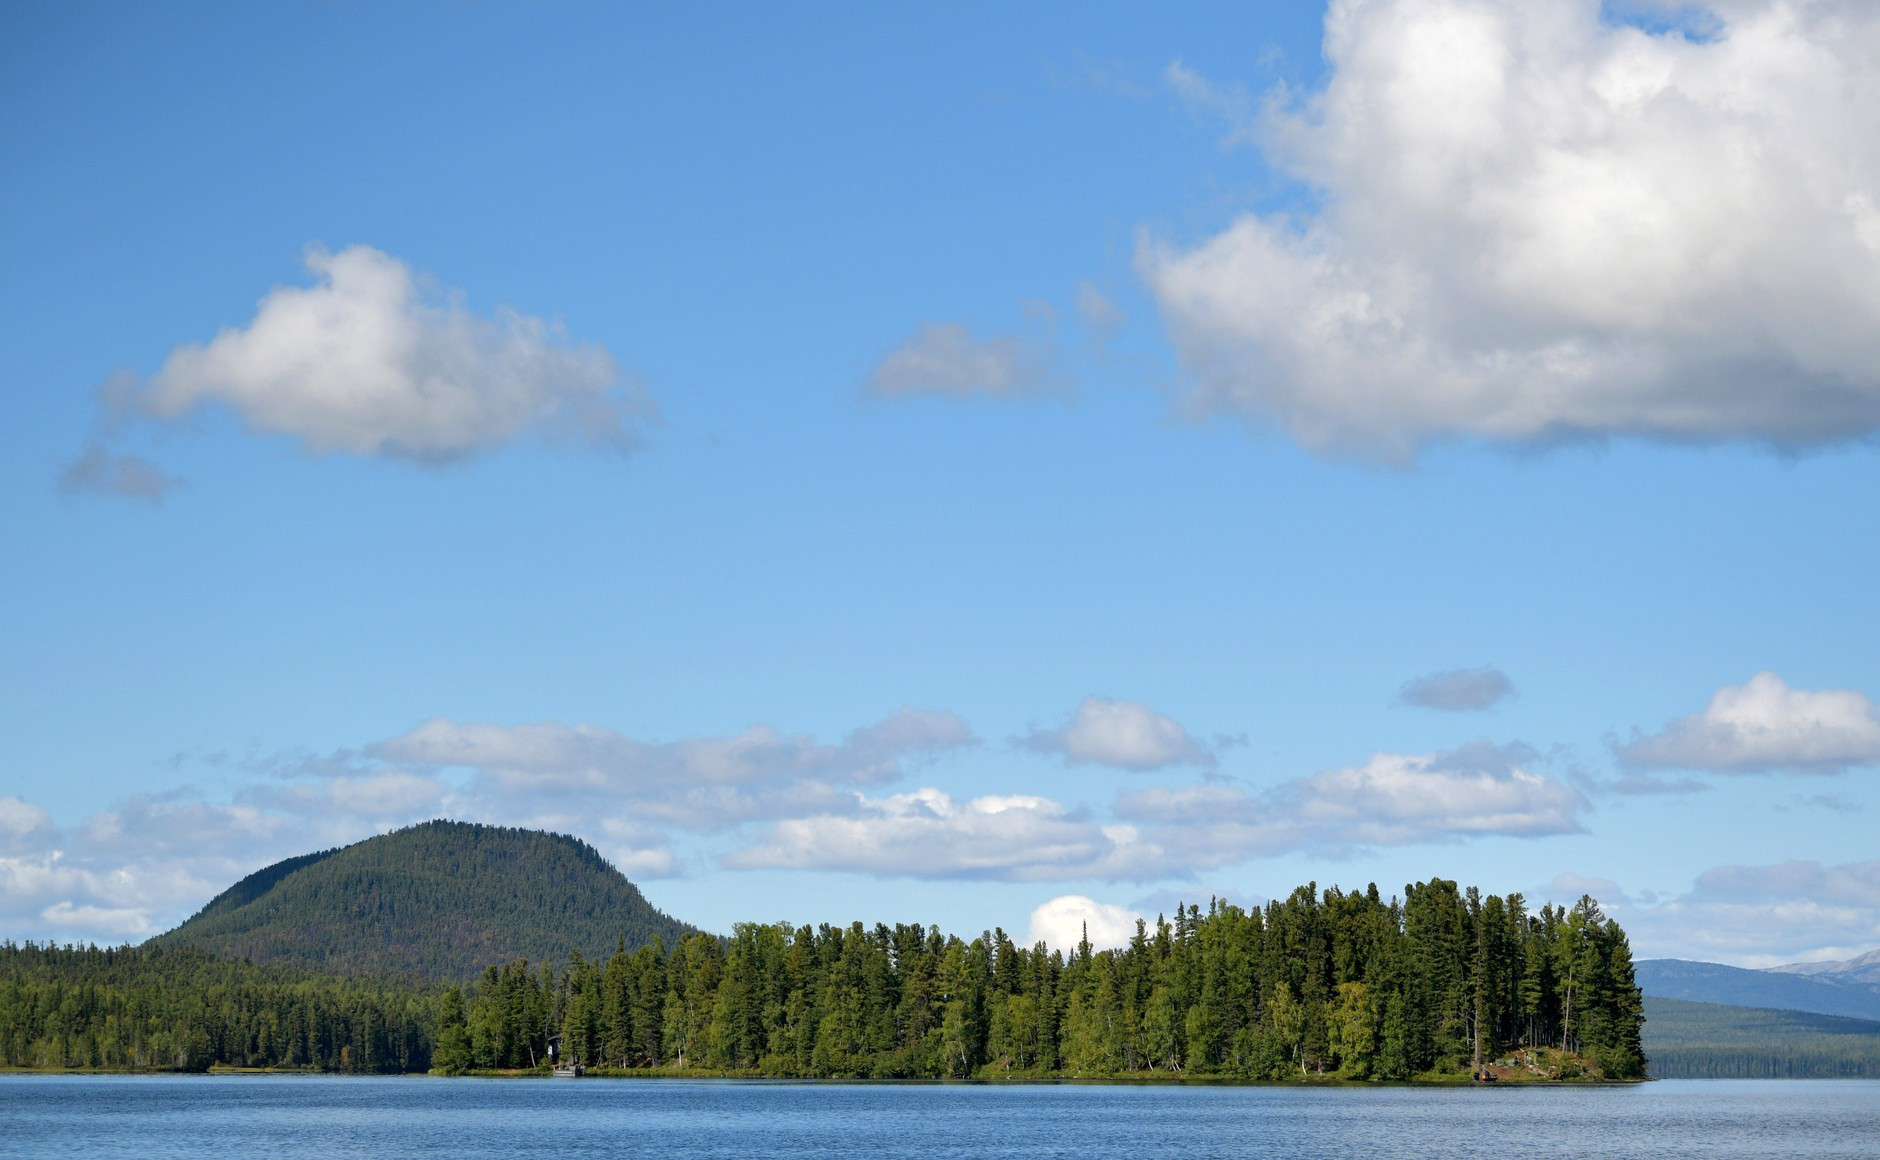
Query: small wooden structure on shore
x=562 y=1068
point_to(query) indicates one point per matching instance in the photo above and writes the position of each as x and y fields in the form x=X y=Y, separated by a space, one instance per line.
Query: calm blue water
x=301 y=1117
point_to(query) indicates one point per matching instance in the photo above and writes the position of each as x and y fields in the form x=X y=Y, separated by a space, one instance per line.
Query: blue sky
x=972 y=465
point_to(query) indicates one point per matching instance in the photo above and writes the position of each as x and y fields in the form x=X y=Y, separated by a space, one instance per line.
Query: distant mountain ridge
x=1820 y=994
x=438 y=900
x=1859 y=969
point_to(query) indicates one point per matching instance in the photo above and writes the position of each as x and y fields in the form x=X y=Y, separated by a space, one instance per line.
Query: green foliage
x=1353 y=1024
x=440 y=900
x=452 y=1055
x=1343 y=985
x=1334 y=985
x=1712 y=1041
x=182 y=1009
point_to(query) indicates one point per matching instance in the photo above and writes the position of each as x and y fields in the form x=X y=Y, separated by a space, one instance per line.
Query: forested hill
x=439 y=900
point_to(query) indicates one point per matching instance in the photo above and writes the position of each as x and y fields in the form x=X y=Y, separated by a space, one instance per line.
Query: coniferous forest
x=1345 y=985
x=1710 y=1041
x=182 y=1009
x=434 y=900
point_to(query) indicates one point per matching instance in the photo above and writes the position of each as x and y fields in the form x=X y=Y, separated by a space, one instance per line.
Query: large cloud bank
x=132 y=870
x=1392 y=800
x=1535 y=223
x=758 y=799
x=1760 y=915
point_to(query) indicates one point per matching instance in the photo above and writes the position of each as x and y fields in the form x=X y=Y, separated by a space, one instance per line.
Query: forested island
x=1338 y=984
x=1443 y=984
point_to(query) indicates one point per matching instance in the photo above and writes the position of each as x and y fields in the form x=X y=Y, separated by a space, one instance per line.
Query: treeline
x=1712 y=1041
x=181 y=1009
x=1342 y=984
x=1819 y=1059
x=1336 y=984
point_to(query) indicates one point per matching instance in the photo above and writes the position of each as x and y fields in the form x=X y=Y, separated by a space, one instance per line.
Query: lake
x=317 y=1116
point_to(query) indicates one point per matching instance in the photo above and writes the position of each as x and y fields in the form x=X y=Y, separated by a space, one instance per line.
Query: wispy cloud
x=945 y=360
x=1393 y=799
x=1458 y=690
x=1101 y=317
x=704 y=783
x=930 y=834
x=101 y=472
x=1228 y=103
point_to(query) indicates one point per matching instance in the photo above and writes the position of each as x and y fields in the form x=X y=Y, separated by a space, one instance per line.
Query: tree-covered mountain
x=1711 y=1041
x=438 y=900
x=1715 y=983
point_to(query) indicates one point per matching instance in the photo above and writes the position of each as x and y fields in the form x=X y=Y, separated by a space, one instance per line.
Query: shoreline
x=1130 y=1080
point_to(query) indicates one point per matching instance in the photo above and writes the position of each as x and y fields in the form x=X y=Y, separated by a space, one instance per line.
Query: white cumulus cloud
x=1394 y=799
x=364 y=362
x=1122 y=734
x=1068 y=919
x=1764 y=725
x=1534 y=222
